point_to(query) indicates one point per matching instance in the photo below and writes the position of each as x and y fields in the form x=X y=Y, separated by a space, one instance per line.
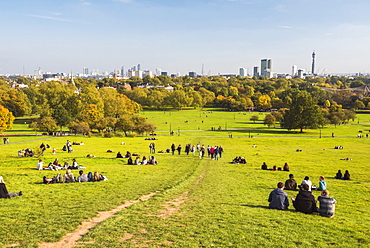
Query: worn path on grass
x=70 y=239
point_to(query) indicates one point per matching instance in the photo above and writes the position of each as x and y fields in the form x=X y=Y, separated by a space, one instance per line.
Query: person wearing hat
x=40 y=164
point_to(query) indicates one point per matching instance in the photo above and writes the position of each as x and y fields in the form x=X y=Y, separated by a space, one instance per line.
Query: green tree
x=269 y=120
x=303 y=113
x=254 y=118
x=6 y=119
x=46 y=124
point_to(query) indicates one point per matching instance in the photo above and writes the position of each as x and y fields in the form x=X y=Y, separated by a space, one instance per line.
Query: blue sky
x=178 y=36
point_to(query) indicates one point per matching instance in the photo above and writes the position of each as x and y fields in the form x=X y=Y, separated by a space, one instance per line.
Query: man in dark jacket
x=290 y=184
x=305 y=201
x=278 y=199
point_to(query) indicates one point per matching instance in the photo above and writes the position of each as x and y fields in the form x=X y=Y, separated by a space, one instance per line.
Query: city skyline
x=216 y=36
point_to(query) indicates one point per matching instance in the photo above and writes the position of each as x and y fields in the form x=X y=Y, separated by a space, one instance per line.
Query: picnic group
x=305 y=201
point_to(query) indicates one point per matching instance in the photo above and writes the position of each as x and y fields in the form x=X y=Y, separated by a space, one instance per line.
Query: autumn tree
x=6 y=119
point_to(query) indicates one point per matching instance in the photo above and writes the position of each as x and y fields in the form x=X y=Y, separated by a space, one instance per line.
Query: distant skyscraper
x=256 y=71
x=122 y=71
x=242 y=72
x=85 y=71
x=294 y=70
x=266 y=66
x=313 y=63
x=138 y=67
x=158 y=72
x=192 y=74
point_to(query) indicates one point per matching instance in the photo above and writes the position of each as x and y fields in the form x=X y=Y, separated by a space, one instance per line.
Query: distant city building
x=85 y=71
x=122 y=71
x=164 y=73
x=148 y=73
x=158 y=72
x=301 y=73
x=192 y=74
x=242 y=72
x=266 y=67
x=256 y=71
x=294 y=70
x=313 y=63
x=138 y=67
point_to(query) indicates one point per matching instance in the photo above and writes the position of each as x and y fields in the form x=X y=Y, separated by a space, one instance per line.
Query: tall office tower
x=266 y=65
x=192 y=74
x=256 y=71
x=138 y=67
x=313 y=63
x=85 y=71
x=294 y=70
x=158 y=72
x=122 y=71
x=242 y=72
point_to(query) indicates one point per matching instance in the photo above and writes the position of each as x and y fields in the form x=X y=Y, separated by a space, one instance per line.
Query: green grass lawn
x=199 y=203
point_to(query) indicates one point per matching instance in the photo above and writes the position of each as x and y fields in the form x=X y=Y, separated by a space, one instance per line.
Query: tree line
x=94 y=104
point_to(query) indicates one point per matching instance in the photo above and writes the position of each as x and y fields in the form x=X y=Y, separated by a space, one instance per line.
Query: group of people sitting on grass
x=275 y=168
x=143 y=161
x=346 y=175
x=4 y=192
x=69 y=178
x=127 y=155
x=304 y=202
x=239 y=160
x=55 y=165
x=25 y=153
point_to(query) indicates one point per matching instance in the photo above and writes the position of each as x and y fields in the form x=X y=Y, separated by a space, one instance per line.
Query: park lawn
x=225 y=204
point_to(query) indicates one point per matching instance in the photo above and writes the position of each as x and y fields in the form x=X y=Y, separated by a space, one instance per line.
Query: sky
x=181 y=36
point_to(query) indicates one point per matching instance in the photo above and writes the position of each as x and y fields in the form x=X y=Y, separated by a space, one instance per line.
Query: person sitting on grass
x=338 y=175
x=327 y=204
x=152 y=160
x=119 y=155
x=278 y=199
x=264 y=166
x=346 y=176
x=144 y=161
x=291 y=183
x=128 y=154
x=4 y=192
x=40 y=165
x=68 y=177
x=129 y=161
x=286 y=167
x=306 y=181
x=137 y=161
x=274 y=168
x=322 y=184
x=305 y=201
x=83 y=177
x=99 y=177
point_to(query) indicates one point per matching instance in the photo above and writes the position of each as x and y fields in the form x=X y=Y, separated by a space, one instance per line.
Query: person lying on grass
x=278 y=199
x=4 y=192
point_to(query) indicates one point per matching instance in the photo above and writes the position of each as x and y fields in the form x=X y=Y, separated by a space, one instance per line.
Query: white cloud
x=85 y=2
x=52 y=18
x=286 y=27
x=124 y=1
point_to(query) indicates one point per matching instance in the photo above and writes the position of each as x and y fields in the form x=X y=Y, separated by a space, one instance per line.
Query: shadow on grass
x=255 y=206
